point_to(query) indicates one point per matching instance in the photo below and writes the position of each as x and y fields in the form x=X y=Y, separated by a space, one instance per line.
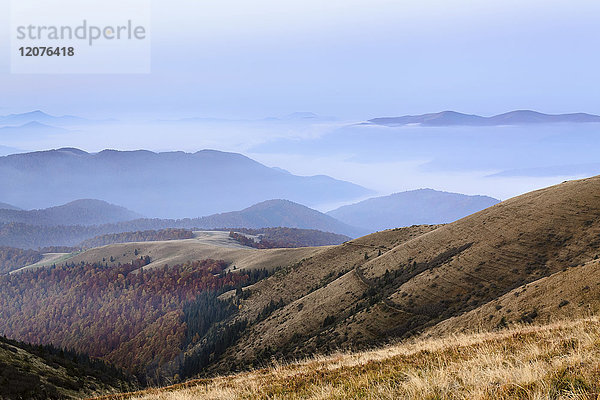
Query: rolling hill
x=80 y=212
x=165 y=185
x=453 y=118
x=205 y=245
x=274 y=213
x=416 y=207
x=34 y=234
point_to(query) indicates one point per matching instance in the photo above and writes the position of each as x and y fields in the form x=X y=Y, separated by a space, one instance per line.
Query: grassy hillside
x=555 y=361
x=387 y=291
x=205 y=246
x=37 y=372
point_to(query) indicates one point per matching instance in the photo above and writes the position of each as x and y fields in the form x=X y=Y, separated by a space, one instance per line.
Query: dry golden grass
x=173 y=252
x=555 y=361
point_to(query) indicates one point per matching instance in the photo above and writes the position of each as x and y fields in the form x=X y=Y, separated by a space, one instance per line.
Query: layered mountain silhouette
x=39 y=117
x=453 y=118
x=31 y=128
x=416 y=207
x=77 y=221
x=166 y=185
x=79 y=212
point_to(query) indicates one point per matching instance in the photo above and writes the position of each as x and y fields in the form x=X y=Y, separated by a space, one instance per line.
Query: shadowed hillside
x=45 y=372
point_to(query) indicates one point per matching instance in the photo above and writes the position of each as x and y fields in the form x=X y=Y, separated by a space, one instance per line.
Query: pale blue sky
x=354 y=59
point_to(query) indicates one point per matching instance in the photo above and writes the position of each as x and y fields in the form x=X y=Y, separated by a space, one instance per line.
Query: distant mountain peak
x=40 y=117
x=302 y=115
x=281 y=213
x=34 y=113
x=414 y=207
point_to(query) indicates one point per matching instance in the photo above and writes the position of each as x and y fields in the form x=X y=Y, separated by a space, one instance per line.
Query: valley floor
x=555 y=361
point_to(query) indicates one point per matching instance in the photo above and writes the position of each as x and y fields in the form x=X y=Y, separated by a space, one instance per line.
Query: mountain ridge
x=453 y=118
x=414 y=207
x=161 y=185
x=78 y=212
x=268 y=214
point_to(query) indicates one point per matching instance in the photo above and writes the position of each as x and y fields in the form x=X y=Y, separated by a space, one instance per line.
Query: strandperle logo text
x=85 y=31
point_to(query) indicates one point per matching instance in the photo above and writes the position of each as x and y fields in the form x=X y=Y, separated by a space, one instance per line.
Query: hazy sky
x=349 y=58
x=352 y=59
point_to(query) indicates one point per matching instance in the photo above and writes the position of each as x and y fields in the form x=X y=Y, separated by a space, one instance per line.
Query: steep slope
x=453 y=118
x=424 y=206
x=570 y=293
x=165 y=185
x=425 y=280
x=79 y=212
x=36 y=372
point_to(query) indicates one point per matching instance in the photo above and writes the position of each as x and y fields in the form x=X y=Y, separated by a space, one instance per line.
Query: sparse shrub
x=330 y=319
x=563 y=303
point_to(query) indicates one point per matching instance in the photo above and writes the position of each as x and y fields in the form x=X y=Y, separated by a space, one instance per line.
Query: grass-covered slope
x=371 y=290
x=554 y=361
